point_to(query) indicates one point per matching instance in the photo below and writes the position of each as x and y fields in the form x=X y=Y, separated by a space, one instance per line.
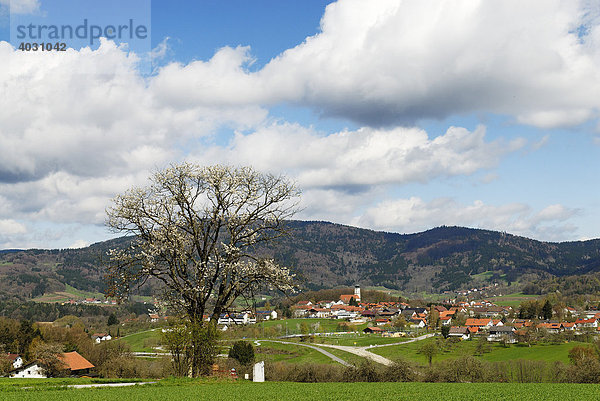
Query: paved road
x=424 y=336
x=364 y=351
x=360 y=351
x=322 y=351
x=150 y=354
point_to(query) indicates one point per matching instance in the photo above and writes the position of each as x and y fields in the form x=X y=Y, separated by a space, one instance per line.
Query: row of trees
x=466 y=369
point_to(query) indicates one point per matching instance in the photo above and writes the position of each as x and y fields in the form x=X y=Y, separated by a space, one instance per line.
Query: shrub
x=243 y=352
x=366 y=371
x=306 y=373
x=399 y=371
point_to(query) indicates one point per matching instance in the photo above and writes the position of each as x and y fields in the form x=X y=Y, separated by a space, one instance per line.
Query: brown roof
x=477 y=322
x=11 y=357
x=74 y=361
x=346 y=298
x=374 y=329
x=459 y=330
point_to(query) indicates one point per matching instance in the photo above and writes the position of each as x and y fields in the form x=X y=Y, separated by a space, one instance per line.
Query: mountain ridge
x=325 y=254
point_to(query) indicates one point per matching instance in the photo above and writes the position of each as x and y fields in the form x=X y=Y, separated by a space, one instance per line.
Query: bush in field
x=585 y=371
x=399 y=371
x=579 y=354
x=243 y=352
x=429 y=349
x=366 y=371
x=306 y=373
x=445 y=331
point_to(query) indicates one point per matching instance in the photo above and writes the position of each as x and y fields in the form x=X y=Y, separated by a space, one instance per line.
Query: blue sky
x=390 y=115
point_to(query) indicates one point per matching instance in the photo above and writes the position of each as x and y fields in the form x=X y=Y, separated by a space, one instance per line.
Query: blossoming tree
x=197 y=231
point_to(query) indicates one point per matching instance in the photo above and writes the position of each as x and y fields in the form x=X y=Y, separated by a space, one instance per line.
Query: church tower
x=357 y=292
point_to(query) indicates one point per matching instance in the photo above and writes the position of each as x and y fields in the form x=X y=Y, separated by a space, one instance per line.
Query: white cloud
x=21 y=6
x=11 y=233
x=415 y=214
x=11 y=227
x=364 y=157
x=78 y=127
x=541 y=143
x=79 y=244
x=392 y=61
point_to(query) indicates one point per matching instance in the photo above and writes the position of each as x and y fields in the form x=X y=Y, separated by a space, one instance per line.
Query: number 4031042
x=48 y=47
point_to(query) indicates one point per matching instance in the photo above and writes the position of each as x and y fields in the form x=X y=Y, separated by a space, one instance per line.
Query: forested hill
x=325 y=255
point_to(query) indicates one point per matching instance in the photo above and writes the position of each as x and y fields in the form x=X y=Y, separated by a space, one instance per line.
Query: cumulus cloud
x=365 y=157
x=79 y=126
x=10 y=227
x=391 y=61
x=398 y=61
x=415 y=214
x=11 y=232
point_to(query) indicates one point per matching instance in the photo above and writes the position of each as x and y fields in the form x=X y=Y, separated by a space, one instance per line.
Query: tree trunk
x=203 y=343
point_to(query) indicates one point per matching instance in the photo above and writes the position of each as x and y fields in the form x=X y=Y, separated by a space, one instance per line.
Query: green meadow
x=496 y=352
x=224 y=390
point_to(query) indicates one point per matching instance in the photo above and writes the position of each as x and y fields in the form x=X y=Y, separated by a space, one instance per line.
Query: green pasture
x=513 y=300
x=289 y=353
x=359 y=340
x=70 y=292
x=540 y=352
x=141 y=341
x=294 y=326
x=244 y=390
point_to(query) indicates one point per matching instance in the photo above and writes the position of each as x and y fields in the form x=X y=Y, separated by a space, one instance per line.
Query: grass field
x=277 y=352
x=243 y=390
x=69 y=293
x=545 y=352
x=512 y=299
x=139 y=341
x=359 y=340
x=294 y=326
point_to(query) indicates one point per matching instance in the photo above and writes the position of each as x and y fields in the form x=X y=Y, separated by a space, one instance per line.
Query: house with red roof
x=14 y=359
x=73 y=363
x=460 y=332
x=375 y=329
x=589 y=323
x=76 y=364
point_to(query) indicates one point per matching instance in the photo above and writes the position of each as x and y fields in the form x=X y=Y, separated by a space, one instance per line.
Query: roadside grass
x=543 y=352
x=349 y=357
x=226 y=390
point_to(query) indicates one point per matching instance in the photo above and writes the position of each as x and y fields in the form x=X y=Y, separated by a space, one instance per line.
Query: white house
x=238 y=318
x=99 y=337
x=29 y=371
x=15 y=359
x=267 y=315
x=343 y=314
x=460 y=332
x=499 y=332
